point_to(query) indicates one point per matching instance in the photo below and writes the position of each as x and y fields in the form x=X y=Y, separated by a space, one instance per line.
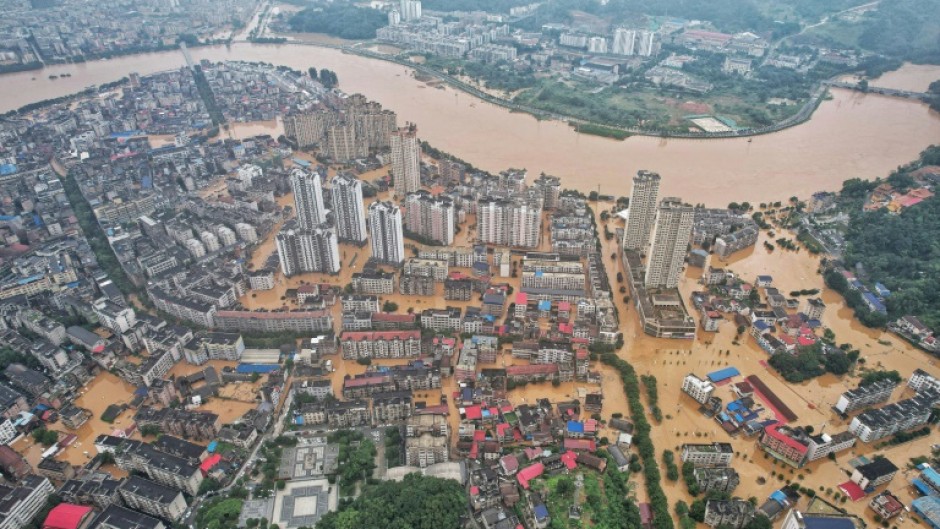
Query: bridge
x=892 y=92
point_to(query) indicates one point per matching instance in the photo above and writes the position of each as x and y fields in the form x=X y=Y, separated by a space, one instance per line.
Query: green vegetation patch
x=339 y=20
x=600 y=130
x=417 y=502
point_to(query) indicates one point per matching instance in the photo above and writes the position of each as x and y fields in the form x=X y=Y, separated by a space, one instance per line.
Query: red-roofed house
x=529 y=473
x=522 y=301
x=68 y=516
x=509 y=464
x=778 y=443
x=504 y=431
x=580 y=444
x=570 y=459
x=210 y=462
x=473 y=413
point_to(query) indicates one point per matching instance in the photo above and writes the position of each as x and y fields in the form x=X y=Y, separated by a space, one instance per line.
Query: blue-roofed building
x=922 y=487
x=764 y=281
x=7 y=169
x=540 y=512
x=779 y=496
x=882 y=290
x=575 y=429
x=545 y=305
x=932 y=479
x=873 y=303
x=928 y=508
x=723 y=374
x=212 y=446
x=257 y=368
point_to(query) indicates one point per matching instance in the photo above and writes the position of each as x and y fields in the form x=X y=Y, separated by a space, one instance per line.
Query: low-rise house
x=55 y=469
x=12 y=464
x=699 y=389
x=117 y=517
x=721 y=479
x=886 y=505
x=875 y=424
x=74 y=417
x=863 y=396
x=152 y=498
x=713 y=454
x=732 y=513
x=876 y=473
x=21 y=503
x=95 y=490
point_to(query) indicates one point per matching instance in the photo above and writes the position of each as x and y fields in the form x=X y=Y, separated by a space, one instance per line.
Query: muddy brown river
x=851 y=135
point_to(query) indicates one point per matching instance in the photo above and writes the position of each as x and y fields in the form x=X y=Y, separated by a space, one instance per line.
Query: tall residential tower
x=308 y=198
x=430 y=216
x=642 y=212
x=406 y=159
x=303 y=250
x=348 y=212
x=670 y=237
x=388 y=245
x=509 y=222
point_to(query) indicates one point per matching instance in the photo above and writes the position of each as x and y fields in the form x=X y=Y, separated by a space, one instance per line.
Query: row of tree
x=326 y=77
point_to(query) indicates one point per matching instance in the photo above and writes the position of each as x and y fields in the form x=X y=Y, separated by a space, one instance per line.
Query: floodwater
x=852 y=135
x=914 y=77
x=104 y=390
x=671 y=360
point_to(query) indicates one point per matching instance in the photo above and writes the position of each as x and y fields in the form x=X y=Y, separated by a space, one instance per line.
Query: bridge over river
x=893 y=92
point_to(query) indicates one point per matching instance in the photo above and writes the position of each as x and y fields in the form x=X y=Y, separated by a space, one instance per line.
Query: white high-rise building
x=410 y=10
x=196 y=248
x=394 y=17
x=406 y=159
x=303 y=250
x=597 y=45
x=308 y=198
x=246 y=232
x=642 y=212
x=348 y=211
x=509 y=222
x=430 y=216
x=385 y=223
x=670 y=240
x=210 y=241
x=343 y=144
x=248 y=173
x=644 y=43
x=226 y=235
x=624 y=42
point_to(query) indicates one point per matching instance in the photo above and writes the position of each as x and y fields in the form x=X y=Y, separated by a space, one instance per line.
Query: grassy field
x=648 y=107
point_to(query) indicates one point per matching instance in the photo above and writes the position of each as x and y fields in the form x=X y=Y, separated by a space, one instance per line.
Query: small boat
x=749 y=140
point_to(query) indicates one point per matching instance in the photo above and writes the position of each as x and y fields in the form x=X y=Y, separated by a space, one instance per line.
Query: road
x=280 y=416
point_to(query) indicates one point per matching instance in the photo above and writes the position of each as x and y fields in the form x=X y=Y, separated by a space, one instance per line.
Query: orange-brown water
x=853 y=135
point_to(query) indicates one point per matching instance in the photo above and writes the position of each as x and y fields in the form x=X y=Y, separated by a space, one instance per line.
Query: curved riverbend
x=851 y=135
